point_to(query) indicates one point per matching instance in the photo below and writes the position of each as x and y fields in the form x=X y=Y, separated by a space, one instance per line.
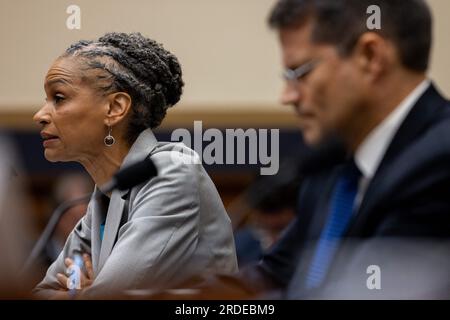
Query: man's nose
x=290 y=95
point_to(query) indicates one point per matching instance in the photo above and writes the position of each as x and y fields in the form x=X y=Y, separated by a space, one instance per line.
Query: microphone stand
x=50 y=228
x=124 y=179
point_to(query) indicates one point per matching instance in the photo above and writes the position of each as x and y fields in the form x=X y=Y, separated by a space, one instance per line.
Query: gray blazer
x=157 y=234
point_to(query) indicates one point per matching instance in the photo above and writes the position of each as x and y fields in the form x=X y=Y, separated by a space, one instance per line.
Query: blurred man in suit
x=375 y=222
x=386 y=206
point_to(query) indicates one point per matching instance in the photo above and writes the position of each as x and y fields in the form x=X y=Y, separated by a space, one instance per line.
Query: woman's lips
x=50 y=141
x=48 y=138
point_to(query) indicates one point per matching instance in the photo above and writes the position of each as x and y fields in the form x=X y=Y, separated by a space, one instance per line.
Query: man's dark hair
x=138 y=66
x=407 y=23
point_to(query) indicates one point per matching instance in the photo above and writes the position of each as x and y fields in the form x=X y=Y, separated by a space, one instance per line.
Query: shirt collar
x=369 y=154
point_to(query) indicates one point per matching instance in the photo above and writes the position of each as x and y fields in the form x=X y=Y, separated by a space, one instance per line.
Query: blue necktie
x=339 y=216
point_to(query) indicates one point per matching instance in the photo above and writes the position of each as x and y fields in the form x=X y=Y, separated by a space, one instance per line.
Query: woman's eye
x=58 y=98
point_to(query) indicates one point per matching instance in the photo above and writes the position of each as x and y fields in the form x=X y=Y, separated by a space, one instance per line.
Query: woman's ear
x=119 y=107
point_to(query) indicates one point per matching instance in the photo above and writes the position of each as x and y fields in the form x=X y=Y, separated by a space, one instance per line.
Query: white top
x=372 y=150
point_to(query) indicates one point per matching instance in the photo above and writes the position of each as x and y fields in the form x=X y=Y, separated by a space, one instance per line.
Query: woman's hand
x=85 y=279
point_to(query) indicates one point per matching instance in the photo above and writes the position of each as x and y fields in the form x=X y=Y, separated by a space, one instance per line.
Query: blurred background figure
x=15 y=224
x=68 y=187
x=269 y=205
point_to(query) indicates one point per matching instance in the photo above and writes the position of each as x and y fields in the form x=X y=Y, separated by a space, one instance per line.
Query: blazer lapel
x=113 y=218
x=97 y=217
x=425 y=112
x=141 y=148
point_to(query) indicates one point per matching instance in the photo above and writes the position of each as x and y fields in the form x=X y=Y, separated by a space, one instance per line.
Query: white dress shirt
x=372 y=150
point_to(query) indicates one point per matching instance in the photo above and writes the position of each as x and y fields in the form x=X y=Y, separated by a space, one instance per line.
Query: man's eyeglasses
x=299 y=73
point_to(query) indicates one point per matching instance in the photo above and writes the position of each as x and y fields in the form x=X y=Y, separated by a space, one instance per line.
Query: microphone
x=124 y=179
x=131 y=176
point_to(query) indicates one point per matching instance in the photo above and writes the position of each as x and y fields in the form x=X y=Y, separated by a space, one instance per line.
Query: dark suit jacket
x=401 y=225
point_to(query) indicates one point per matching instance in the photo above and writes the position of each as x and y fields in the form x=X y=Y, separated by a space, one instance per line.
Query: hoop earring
x=109 y=139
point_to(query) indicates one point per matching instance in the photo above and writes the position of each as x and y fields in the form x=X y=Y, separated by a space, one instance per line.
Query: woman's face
x=73 y=116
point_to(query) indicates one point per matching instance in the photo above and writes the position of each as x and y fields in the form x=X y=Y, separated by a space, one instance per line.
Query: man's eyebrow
x=295 y=65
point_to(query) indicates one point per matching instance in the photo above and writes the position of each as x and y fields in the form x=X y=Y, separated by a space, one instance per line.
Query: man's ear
x=374 y=54
x=119 y=107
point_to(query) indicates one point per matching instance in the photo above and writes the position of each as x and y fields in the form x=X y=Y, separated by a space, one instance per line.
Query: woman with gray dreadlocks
x=104 y=97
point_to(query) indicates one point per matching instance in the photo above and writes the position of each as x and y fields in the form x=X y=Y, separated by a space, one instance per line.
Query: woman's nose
x=41 y=117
